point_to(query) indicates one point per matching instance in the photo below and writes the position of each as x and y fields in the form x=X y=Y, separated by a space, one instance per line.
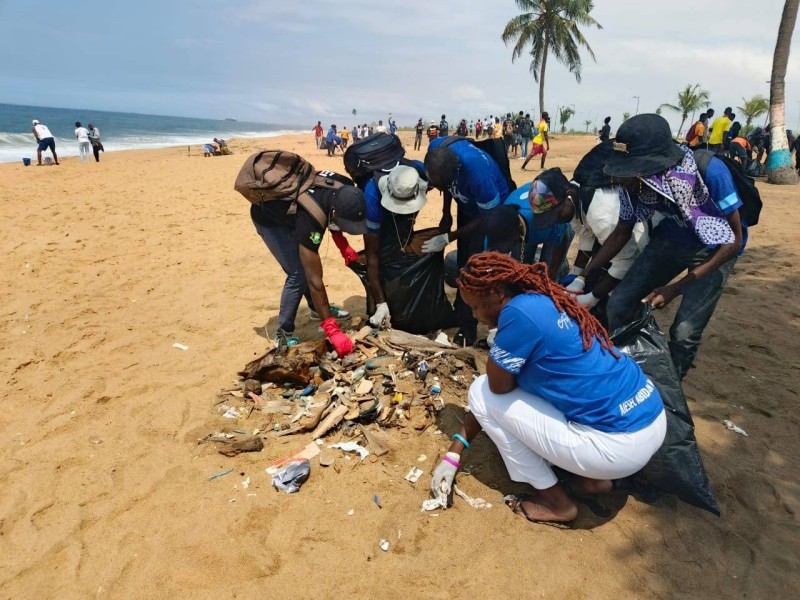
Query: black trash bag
x=677 y=467
x=414 y=290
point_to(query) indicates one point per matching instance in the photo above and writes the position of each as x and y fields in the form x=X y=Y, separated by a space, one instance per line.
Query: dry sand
x=104 y=491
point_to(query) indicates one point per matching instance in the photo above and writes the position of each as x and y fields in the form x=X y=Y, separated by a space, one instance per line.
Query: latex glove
x=342 y=343
x=588 y=300
x=347 y=252
x=444 y=474
x=381 y=316
x=491 y=336
x=436 y=244
x=577 y=285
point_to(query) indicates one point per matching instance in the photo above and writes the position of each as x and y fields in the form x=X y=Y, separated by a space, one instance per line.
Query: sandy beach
x=104 y=487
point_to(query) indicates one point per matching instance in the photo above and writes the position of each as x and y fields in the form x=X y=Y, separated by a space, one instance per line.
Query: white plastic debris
x=442 y=339
x=385 y=545
x=422 y=458
x=473 y=502
x=435 y=503
x=246 y=483
x=351 y=512
x=413 y=475
x=735 y=428
x=232 y=413
x=180 y=346
x=352 y=447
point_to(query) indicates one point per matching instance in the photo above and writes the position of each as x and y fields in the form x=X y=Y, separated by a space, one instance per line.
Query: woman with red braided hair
x=555 y=392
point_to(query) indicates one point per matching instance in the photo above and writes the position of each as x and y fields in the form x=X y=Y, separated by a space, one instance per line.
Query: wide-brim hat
x=643 y=147
x=403 y=190
x=548 y=191
x=350 y=210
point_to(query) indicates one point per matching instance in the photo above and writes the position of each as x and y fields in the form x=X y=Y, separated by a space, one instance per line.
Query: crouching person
x=555 y=392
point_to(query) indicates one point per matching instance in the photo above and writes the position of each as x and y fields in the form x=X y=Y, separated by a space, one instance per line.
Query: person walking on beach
x=97 y=145
x=538 y=145
x=345 y=135
x=444 y=126
x=418 y=134
x=433 y=132
x=84 y=143
x=526 y=133
x=45 y=140
x=318 y=134
x=330 y=140
x=605 y=132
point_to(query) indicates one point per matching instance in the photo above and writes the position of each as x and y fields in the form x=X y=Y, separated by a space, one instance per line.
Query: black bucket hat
x=643 y=147
x=350 y=210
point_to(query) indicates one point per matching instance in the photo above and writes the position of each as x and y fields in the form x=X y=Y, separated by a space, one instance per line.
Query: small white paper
x=180 y=346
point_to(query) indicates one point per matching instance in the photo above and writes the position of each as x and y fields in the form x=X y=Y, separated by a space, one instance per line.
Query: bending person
x=294 y=241
x=555 y=392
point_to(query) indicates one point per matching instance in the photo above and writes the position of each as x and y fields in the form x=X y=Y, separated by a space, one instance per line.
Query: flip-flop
x=597 y=507
x=518 y=509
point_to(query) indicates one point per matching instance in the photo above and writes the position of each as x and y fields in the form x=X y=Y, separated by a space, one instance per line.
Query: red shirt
x=318 y=130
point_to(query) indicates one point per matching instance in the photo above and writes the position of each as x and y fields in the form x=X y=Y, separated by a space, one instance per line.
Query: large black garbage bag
x=414 y=289
x=677 y=467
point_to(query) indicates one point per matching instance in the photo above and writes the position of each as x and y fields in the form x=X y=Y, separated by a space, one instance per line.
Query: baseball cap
x=350 y=210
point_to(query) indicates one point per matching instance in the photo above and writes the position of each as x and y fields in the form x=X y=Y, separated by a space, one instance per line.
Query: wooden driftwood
x=292 y=367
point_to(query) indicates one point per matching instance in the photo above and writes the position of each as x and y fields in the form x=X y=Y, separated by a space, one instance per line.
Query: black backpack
x=495 y=148
x=745 y=186
x=527 y=128
x=377 y=152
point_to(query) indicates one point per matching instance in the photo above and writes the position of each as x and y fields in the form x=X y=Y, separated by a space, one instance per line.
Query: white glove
x=577 y=284
x=444 y=474
x=491 y=336
x=381 y=316
x=588 y=300
x=436 y=244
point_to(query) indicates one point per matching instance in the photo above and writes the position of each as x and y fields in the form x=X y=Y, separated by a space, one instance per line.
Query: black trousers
x=466 y=248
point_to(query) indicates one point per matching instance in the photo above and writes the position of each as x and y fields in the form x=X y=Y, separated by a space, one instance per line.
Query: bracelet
x=461 y=439
x=455 y=463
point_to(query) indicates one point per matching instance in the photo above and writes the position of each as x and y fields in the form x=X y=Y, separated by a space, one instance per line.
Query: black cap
x=349 y=210
x=643 y=147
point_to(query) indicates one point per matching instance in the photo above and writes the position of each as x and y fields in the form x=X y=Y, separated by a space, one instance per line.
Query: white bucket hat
x=403 y=190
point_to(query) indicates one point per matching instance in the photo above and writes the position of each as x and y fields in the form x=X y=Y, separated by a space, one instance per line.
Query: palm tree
x=564 y=115
x=690 y=100
x=779 y=163
x=626 y=116
x=587 y=122
x=550 y=27
x=753 y=108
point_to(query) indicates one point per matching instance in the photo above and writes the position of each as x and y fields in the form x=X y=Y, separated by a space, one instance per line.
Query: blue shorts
x=46 y=143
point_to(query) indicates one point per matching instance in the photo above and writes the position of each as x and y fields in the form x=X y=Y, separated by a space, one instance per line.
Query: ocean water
x=119 y=131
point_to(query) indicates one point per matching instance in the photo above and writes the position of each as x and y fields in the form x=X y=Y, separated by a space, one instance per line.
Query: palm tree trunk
x=545 y=50
x=683 y=120
x=779 y=163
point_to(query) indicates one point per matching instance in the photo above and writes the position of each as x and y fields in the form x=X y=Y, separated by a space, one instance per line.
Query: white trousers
x=85 y=149
x=531 y=434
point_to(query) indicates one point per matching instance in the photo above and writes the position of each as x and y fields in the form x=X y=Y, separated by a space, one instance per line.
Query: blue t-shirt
x=330 y=136
x=554 y=234
x=375 y=211
x=722 y=190
x=544 y=349
x=480 y=186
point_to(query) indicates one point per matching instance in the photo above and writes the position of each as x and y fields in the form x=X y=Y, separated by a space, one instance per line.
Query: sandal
x=515 y=504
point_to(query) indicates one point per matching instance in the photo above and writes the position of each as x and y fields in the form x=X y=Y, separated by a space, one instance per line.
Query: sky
x=296 y=62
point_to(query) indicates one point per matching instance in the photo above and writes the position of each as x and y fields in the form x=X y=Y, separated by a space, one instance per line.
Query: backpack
x=496 y=149
x=274 y=175
x=745 y=186
x=376 y=152
x=527 y=128
x=692 y=133
x=324 y=184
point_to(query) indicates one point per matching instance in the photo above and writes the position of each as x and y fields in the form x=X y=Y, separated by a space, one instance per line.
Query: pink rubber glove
x=348 y=254
x=342 y=343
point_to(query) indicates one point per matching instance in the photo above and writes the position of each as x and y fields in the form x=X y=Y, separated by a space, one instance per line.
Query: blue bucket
x=26 y=162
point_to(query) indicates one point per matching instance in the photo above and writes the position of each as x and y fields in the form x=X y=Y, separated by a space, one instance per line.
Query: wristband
x=453 y=462
x=461 y=439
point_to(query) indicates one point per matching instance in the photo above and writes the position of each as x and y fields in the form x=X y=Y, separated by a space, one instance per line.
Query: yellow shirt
x=720 y=127
x=345 y=135
x=497 y=132
x=539 y=139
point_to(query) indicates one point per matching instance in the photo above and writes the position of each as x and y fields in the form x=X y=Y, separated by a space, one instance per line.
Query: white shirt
x=94 y=134
x=82 y=134
x=380 y=129
x=42 y=131
x=598 y=223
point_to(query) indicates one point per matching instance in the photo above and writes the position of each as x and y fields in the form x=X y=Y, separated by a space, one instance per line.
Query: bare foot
x=584 y=485
x=551 y=504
